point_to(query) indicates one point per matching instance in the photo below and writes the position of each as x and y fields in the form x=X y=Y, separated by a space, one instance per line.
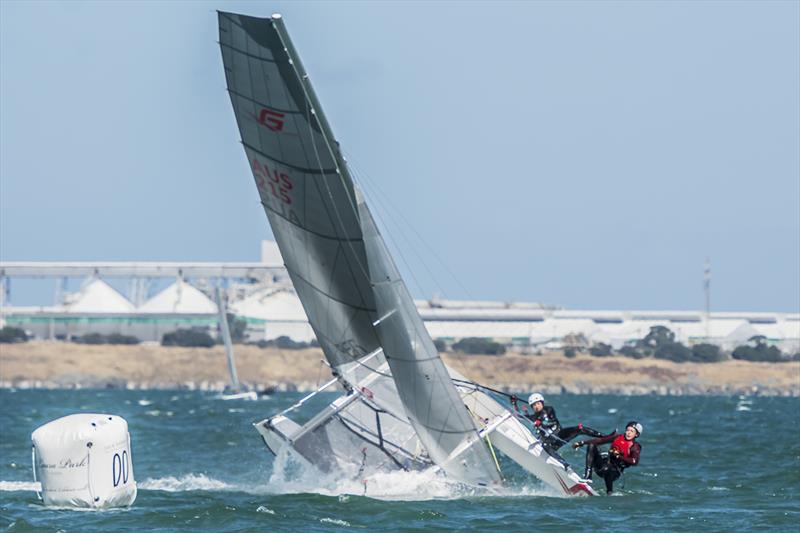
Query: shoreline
x=60 y=365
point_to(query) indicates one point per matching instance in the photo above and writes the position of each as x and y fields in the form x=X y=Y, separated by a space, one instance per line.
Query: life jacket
x=623 y=445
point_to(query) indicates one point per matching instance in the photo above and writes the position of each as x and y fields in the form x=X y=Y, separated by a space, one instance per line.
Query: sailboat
x=234 y=391
x=403 y=409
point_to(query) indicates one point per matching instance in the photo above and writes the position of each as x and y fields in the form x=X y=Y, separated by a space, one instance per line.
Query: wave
x=335 y=522
x=185 y=483
x=9 y=486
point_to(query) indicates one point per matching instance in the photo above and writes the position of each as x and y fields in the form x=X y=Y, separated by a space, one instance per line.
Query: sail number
x=269 y=180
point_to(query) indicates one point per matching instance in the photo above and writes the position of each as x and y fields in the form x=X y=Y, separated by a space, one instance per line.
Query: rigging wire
x=376 y=199
x=377 y=213
x=388 y=206
x=410 y=226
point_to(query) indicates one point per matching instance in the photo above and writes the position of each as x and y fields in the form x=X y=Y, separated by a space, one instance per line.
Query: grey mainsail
x=355 y=300
x=302 y=188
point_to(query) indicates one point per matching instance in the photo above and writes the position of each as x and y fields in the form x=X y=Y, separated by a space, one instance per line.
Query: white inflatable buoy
x=84 y=460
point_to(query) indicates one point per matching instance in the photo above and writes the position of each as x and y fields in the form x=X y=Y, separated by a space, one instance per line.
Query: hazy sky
x=590 y=155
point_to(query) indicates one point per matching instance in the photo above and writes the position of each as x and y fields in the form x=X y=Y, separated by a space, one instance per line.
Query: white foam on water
x=262 y=509
x=612 y=410
x=742 y=408
x=10 y=486
x=335 y=521
x=290 y=476
x=145 y=403
x=185 y=483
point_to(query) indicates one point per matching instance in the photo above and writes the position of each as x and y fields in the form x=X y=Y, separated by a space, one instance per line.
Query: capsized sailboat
x=403 y=408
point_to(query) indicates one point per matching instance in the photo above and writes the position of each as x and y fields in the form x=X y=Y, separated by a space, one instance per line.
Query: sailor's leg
x=609 y=476
x=567 y=434
x=551 y=444
x=592 y=457
x=609 y=479
x=585 y=430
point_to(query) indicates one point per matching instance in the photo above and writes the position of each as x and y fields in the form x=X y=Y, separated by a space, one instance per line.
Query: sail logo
x=271 y=119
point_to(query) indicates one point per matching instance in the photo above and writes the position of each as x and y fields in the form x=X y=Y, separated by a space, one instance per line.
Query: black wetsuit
x=609 y=466
x=552 y=434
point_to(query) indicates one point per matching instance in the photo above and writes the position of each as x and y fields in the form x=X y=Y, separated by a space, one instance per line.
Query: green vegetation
x=286 y=343
x=708 y=353
x=757 y=349
x=480 y=346
x=600 y=350
x=10 y=334
x=660 y=344
x=570 y=352
x=188 y=338
x=113 y=338
x=674 y=351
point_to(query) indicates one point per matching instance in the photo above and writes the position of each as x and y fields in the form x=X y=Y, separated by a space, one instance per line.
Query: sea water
x=708 y=463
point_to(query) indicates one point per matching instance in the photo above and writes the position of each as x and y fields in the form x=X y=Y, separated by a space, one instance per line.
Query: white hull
x=249 y=395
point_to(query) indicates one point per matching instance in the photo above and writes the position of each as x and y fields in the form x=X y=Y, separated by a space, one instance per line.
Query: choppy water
x=707 y=463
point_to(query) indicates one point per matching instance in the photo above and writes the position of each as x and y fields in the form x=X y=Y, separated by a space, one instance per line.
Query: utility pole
x=707 y=289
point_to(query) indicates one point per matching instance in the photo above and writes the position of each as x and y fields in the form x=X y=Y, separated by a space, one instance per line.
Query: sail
x=434 y=406
x=308 y=199
x=355 y=300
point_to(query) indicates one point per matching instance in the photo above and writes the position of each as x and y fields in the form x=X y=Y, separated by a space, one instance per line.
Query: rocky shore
x=52 y=365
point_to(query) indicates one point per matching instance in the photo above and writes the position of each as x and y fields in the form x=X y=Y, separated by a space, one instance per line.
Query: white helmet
x=637 y=426
x=535 y=397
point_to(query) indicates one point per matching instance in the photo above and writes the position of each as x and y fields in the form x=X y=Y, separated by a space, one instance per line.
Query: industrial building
x=261 y=294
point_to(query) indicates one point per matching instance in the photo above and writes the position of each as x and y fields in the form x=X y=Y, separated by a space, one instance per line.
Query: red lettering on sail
x=279 y=182
x=271 y=119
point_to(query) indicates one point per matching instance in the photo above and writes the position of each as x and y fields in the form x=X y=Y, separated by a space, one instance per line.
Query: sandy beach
x=67 y=365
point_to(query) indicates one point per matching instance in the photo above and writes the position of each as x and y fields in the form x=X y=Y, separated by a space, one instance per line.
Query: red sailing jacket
x=628 y=449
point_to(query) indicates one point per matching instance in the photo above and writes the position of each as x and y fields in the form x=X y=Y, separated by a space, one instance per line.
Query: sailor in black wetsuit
x=548 y=427
x=624 y=453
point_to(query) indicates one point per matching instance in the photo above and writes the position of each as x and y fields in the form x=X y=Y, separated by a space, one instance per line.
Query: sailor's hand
x=578 y=444
x=537 y=423
x=614 y=452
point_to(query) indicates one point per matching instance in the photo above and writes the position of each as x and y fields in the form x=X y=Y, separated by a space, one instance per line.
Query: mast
x=707 y=290
x=226 y=338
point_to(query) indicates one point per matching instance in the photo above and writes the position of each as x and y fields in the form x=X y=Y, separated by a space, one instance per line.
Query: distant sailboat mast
x=226 y=338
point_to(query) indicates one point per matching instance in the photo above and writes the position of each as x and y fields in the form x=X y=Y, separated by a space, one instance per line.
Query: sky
x=590 y=155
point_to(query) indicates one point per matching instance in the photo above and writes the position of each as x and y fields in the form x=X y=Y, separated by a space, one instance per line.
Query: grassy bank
x=54 y=364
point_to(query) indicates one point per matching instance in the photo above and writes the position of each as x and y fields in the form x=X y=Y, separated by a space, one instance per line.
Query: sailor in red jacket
x=624 y=452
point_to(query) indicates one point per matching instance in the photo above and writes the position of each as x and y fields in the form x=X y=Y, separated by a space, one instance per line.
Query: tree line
x=659 y=343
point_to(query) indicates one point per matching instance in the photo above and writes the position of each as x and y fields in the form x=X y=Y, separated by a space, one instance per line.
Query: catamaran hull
x=323 y=444
x=534 y=459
